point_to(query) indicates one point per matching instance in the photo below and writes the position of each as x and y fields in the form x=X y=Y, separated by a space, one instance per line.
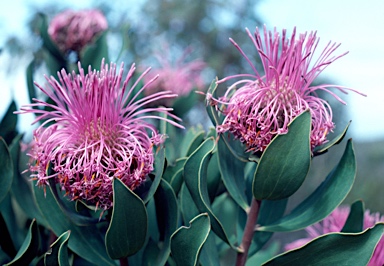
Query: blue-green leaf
x=159 y=168
x=58 y=255
x=195 y=177
x=355 y=220
x=324 y=148
x=323 y=200
x=186 y=242
x=86 y=241
x=167 y=217
x=284 y=164
x=6 y=243
x=334 y=249
x=6 y=166
x=232 y=173
x=128 y=227
x=93 y=53
x=29 y=248
x=8 y=123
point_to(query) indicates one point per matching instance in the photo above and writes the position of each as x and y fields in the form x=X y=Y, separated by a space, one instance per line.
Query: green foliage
x=285 y=162
x=186 y=242
x=355 y=220
x=8 y=124
x=128 y=227
x=334 y=249
x=6 y=173
x=84 y=240
x=28 y=250
x=323 y=200
x=58 y=254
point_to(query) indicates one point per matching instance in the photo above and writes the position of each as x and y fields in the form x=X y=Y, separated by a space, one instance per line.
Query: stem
x=124 y=261
x=249 y=231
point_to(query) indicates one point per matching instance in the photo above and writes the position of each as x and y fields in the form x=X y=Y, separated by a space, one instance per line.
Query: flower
x=72 y=30
x=264 y=105
x=95 y=131
x=179 y=77
x=335 y=223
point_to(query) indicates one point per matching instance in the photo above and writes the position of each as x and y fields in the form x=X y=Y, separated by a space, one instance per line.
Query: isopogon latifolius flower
x=335 y=223
x=264 y=104
x=95 y=131
x=72 y=30
x=179 y=77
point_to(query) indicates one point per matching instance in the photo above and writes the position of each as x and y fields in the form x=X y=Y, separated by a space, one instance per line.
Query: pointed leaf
x=192 y=139
x=86 y=241
x=232 y=173
x=285 y=162
x=8 y=123
x=29 y=248
x=21 y=188
x=6 y=243
x=324 y=148
x=159 y=168
x=128 y=227
x=186 y=242
x=195 y=177
x=334 y=249
x=323 y=200
x=355 y=220
x=59 y=251
x=270 y=211
x=47 y=41
x=94 y=53
x=167 y=217
x=6 y=166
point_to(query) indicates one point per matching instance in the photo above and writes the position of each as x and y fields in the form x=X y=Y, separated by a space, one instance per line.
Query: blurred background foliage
x=205 y=26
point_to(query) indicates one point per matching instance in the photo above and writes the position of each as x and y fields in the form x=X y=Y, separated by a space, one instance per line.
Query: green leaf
x=47 y=41
x=324 y=148
x=159 y=168
x=263 y=255
x=195 y=177
x=209 y=254
x=167 y=217
x=213 y=177
x=232 y=173
x=128 y=227
x=21 y=188
x=6 y=173
x=29 y=248
x=334 y=249
x=93 y=53
x=174 y=174
x=186 y=242
x=187 y=205
x=355 y=220
x=69 y=210
x=183 y=104
x=86 y=241
x=323 y=200
x=30 y=84
x=270 y=211
x=285 y=162
x=58 y=255
x=8 y=123
x=192 y=139
x=211 y=109
x=6 y=243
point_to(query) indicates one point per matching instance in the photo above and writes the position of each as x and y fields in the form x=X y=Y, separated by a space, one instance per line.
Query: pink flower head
x=94 y=132
x=335 y=223
x=72 y=30
x=179 y=77
x=264 y=104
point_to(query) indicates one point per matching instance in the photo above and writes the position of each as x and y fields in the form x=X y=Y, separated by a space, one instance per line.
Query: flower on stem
x=72 y=30
x=335 y=223
x=95 y=131
x=264 y=104
x=179 y=77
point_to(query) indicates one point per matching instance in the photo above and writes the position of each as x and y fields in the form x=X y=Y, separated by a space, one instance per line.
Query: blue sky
x=357 y=24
